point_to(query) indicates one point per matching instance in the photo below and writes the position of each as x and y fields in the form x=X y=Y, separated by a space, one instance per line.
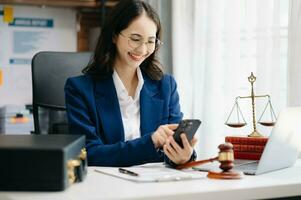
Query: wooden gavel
x=225 y=157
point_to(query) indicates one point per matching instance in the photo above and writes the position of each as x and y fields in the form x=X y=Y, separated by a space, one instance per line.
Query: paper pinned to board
x=1 y=77
x=8 y=14
x=32 y=30
x=152 y=172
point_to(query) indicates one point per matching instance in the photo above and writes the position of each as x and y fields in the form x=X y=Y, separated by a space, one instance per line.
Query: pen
x=125 y=171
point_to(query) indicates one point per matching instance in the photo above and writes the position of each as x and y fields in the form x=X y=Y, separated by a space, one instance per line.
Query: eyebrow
x=136 y=34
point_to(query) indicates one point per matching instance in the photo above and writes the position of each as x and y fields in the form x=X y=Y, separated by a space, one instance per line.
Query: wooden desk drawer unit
x=41 y=162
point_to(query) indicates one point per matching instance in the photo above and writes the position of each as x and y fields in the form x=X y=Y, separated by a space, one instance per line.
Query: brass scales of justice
x=240 y=118
x=226 y=153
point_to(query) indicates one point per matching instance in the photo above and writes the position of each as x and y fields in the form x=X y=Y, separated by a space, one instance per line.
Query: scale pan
x=267 y=123
x=236 y=125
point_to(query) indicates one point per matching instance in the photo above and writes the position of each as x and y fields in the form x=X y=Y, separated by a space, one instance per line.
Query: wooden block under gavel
x=225 y=157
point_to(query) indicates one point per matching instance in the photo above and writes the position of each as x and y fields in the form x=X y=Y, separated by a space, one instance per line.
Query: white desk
x=282 y=183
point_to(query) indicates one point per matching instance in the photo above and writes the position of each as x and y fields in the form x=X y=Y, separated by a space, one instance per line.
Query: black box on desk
x=41 y=162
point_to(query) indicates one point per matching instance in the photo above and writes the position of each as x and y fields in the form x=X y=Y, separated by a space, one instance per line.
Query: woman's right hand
x=160 y=136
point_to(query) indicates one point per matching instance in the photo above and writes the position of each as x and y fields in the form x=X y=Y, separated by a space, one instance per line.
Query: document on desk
x=151 y=172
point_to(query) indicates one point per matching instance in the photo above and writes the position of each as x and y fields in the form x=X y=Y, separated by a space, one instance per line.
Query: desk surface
x=282 y=183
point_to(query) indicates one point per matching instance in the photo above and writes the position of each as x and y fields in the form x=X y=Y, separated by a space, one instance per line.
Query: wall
x=30 y=30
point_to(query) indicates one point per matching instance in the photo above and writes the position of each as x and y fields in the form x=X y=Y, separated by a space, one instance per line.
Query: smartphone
x=188 y=127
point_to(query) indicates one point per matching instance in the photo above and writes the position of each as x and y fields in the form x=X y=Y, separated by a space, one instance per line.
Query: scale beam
x=256 y=96
x=252 y=96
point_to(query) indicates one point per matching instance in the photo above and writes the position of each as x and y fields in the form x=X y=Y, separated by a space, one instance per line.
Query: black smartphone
x=187 y=126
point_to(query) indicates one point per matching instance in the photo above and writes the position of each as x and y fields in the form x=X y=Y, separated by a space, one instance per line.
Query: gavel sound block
x=225 y=157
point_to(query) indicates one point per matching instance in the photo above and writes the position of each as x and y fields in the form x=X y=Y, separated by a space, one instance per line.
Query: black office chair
x=49 y=73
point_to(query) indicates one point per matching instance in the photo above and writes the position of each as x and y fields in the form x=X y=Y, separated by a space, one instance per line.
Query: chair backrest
x=49 y=73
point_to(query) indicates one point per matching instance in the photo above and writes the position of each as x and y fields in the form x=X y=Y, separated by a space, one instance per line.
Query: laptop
x=281 y=151
x=283 y=147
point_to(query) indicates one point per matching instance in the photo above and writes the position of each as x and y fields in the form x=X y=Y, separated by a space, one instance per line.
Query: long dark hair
x=101 y=64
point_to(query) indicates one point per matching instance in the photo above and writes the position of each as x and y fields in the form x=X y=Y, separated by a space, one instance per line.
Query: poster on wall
x=24 y=31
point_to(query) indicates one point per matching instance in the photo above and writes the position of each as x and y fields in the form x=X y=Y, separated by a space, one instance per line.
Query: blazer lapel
x=151 y=107
x=108 y=108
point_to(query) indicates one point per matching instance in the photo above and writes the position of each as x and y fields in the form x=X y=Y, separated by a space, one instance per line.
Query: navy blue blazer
x=93 y=110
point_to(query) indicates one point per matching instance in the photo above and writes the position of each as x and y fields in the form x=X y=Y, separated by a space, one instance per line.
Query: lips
x=136 y=57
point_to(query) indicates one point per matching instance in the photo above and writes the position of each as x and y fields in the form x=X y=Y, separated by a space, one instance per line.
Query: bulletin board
x=24 y=31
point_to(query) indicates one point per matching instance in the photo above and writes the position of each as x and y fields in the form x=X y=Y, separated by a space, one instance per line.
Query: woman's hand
x=177 y=154
x=160 y=136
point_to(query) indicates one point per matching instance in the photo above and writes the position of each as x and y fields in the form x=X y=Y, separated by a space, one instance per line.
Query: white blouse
x=129 y=107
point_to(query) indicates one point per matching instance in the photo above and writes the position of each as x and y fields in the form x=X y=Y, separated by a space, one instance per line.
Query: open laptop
x=281 y=151
x=283 y=147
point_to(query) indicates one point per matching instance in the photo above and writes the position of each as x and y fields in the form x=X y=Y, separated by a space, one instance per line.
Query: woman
x=124 y=104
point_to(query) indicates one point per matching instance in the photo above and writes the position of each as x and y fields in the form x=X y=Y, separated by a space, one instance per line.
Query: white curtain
x=216 y=45
x=294 y=58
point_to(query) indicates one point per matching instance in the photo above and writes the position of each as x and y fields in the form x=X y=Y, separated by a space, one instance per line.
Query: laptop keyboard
x=238 y=162
x=247 y=168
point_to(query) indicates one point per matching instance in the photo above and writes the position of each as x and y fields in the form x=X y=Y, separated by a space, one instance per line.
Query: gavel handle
x=196 y=163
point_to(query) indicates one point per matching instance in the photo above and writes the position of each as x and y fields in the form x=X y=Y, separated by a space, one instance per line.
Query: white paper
x=152 y=172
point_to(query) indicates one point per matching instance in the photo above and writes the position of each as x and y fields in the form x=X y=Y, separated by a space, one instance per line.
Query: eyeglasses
x=135 y=41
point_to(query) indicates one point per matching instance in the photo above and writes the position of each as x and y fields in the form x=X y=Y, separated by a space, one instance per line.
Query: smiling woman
x=137 y=21
x=131 y=51
x=124 y=104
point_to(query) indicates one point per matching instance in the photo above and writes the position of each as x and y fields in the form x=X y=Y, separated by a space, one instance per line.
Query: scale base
x=255 y=134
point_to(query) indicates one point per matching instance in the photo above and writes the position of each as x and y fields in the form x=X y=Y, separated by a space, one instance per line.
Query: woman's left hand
x=176 y=153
